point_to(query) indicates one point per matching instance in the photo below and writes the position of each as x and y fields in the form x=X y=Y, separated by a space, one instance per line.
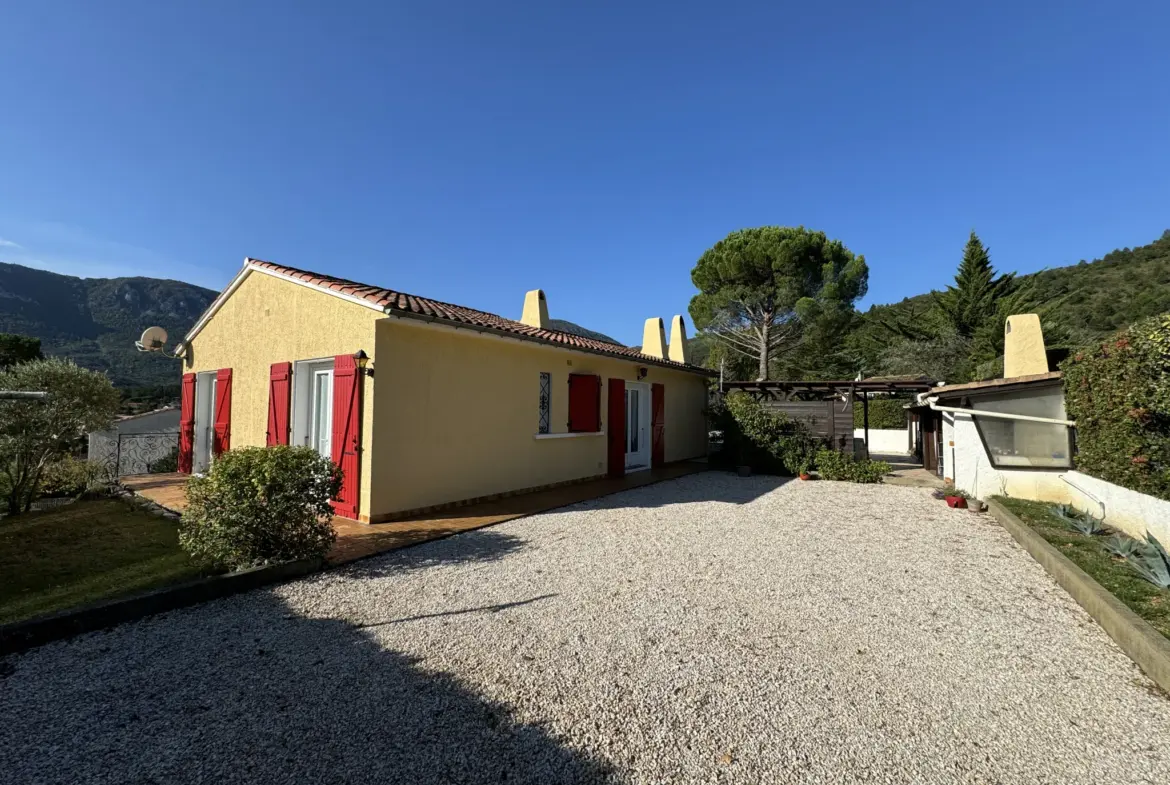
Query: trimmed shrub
x=833 y=465
x=884 y=413
x=1119 y=395
x=260 y=505
x=71 y=476
x=768 y=441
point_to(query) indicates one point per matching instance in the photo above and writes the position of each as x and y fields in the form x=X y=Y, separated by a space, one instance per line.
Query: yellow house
x=425 y=404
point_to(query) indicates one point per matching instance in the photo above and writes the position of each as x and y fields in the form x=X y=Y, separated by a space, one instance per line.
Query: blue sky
x=470 y=151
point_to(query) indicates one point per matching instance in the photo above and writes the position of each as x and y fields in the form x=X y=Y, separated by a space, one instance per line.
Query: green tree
x=760 y=289
x=967 y=306
x=18 y=349
x=35 y=432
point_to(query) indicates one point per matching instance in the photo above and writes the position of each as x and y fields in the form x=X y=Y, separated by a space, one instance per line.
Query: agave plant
x=1121 y=546
x=1152 y=562
x=1074 y=519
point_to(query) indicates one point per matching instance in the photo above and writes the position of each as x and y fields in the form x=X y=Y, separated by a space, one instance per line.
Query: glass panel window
x=1021 y=443
x=545 y=401
x=322 y=413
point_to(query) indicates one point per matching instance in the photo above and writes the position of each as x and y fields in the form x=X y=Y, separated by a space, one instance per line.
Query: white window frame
x=305 y=373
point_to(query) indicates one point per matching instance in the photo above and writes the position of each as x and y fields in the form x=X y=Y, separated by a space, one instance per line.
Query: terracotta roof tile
x=421 y=306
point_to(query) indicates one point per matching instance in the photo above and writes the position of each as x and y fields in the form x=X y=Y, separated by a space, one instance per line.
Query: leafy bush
x=765 y=440
x=36 y=432
x=71 y=477
x=1119 y=395
x=833 y=465
x=884 y=413
x=261 y=505
x=167 y=463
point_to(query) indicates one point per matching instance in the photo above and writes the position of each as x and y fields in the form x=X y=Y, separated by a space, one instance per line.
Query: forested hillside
x=95 y=321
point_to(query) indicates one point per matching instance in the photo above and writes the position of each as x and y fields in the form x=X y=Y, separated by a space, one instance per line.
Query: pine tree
x=968 y=306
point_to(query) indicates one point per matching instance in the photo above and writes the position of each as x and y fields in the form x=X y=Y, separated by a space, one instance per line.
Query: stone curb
x=1144 y=645
x=23 y=635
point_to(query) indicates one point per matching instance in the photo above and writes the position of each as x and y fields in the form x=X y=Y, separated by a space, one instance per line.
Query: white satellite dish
x=154 y=339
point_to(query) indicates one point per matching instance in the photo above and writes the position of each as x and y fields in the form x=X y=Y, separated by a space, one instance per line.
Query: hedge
x=1119 y=395
x=769 y=442
x=884 y=413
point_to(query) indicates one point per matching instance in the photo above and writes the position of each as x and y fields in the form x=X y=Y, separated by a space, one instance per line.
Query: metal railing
x=124 y=454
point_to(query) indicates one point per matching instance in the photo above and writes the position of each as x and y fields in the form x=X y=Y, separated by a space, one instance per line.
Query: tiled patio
x=357 y=540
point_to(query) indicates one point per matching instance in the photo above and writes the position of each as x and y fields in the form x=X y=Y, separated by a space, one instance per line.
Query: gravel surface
x=708 y=629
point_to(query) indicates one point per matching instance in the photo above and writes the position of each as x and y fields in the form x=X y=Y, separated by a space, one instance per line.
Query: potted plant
x=954 y=497
x=804 y=469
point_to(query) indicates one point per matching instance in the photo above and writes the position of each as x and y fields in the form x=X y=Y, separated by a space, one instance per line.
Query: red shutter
x=223 y=412
x=347 y=409
x=187 y=423
x=584 y=403
x=658 y=425
x=279 y=383
x=616 y=437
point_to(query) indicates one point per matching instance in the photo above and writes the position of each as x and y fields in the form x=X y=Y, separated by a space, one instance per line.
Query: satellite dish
x=154 y=339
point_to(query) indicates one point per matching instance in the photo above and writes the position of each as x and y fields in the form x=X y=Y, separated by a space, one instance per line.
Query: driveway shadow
x=476 y=545
x=246 y=691
x=710 y=486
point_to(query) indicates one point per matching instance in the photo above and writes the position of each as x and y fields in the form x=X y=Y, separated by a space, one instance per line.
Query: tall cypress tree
x=968 y=305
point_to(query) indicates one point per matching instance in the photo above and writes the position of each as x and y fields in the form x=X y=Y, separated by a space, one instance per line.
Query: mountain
x=95 y=321
x=1096 y=298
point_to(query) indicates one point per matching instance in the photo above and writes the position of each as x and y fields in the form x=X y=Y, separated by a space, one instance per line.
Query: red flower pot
x=806 y=476
x=957 y=502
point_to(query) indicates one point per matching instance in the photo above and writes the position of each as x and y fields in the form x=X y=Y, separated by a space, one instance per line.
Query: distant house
x=1008 y=436
x=423 y=403
x=137 y=444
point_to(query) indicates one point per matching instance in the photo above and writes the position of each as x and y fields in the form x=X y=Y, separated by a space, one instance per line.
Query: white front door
x=637 y=426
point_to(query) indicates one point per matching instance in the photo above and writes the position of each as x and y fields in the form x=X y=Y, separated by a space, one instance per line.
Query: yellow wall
x=458 y=412
x=269 y=320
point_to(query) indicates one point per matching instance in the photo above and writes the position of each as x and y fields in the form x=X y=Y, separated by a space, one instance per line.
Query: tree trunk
x=764 y=330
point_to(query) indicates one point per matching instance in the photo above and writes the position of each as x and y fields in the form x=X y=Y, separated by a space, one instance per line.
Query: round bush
x=261 y=505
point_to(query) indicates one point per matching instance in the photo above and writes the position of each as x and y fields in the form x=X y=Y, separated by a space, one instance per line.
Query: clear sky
x=469 y=151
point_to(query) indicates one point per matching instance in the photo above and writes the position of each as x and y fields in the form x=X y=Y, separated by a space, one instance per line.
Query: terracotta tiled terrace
x=357 y=540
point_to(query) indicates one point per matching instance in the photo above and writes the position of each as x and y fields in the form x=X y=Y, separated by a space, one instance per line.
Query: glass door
x=637 y=414
x=321 y=414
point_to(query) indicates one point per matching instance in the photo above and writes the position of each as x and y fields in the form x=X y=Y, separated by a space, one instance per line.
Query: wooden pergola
x=845 y=389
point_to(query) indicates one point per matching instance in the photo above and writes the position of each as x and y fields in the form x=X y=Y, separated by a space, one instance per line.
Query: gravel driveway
x=708 y=629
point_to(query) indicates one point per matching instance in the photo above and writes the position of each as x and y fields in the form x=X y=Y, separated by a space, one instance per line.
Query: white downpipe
x=932 y=402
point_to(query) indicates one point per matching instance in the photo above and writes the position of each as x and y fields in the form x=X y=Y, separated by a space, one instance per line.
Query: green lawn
x=1142 y=597
x=85 y=552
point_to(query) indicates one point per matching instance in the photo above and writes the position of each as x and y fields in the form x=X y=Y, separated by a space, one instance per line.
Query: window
x=584 y=403
x=1021 y=443
x=312 y=405
x=545 y=402
x=322 y=413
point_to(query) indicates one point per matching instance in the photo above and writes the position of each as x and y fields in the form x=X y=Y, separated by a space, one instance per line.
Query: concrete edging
x=1141 y=642
x=22 y=635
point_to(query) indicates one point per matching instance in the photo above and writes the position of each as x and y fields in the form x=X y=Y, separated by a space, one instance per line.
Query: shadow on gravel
x=442 y=614
x=245 y=692
x=711 y=486
x=478 y=545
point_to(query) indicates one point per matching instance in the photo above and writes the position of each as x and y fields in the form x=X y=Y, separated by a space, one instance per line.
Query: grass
x=85 y=552
x=1142 y=597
